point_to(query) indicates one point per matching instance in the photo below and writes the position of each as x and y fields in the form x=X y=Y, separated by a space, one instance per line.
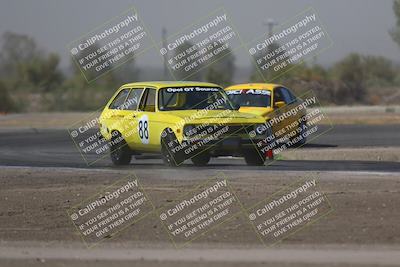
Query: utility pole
x=270 y=23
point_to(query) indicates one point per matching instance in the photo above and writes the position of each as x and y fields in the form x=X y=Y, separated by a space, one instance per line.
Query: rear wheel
x=303 y=125
x=201 y=159
x=120 y=153
x=253 y=157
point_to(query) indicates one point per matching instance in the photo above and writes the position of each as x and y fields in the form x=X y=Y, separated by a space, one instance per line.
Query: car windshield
x=196 y=97
x=250 y=97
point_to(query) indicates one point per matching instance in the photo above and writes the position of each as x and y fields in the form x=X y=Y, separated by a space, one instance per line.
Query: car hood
x=198 y=116
x=259 y=111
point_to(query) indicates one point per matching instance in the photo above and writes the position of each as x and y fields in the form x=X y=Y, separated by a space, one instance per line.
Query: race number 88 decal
x=143 y=129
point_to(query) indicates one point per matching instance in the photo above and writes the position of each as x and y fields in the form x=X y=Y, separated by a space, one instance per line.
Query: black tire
x=120 y=153
x=169 y=158
x=201 y=159
x=303 y=140
x=254 y=157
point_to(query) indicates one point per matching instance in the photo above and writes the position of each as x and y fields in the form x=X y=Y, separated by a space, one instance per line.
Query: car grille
x=231 y=130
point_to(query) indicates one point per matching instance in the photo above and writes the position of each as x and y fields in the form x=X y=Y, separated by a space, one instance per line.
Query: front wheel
x=253 y=157
x=120 y=153
x=201 y=159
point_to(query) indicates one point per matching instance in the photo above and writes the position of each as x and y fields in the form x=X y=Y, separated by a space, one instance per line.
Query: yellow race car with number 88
x=179 y=120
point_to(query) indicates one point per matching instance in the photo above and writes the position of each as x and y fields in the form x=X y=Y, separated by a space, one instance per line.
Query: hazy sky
x=354 y=25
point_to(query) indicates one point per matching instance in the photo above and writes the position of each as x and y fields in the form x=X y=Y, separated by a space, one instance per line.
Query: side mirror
x=279 y=104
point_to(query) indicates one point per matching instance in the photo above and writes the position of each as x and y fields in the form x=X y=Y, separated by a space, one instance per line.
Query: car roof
x=259 y=86
x=162 y=84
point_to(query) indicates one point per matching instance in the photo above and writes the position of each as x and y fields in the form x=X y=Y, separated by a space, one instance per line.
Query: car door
x=293 y=104
x=122 y=112
x=114 y=113
x=297 y=101
x=279 y=127
x=148 y=134
x=129 y=120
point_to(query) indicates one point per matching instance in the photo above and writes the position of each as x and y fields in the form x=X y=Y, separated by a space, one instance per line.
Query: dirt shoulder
x=34 y=202
x=351 y=153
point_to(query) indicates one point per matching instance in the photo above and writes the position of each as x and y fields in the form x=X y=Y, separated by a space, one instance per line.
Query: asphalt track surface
x=54 y=148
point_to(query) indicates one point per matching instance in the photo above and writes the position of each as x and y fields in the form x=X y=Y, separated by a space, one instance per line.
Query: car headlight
x=189 y=130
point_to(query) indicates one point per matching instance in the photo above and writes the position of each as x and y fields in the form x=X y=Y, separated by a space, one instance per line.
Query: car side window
x=148 y=100
x=292 y=96
x=278 y=96
x=287 y=96
x=132 y=101
x=119 y=100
